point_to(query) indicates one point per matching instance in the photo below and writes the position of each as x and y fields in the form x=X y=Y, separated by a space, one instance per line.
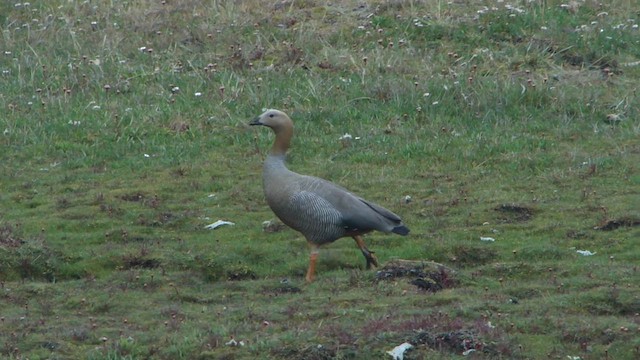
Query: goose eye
x=271 y=115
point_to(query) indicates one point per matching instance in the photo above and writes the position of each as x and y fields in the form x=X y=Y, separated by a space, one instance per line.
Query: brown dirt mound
x=617 y=223
x=426 y=275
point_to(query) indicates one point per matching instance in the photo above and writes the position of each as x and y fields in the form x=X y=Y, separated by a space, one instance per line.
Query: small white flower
x=198 y=94
x=95 y=107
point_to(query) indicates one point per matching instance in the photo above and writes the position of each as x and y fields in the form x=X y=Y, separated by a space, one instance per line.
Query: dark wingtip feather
x=400 y=230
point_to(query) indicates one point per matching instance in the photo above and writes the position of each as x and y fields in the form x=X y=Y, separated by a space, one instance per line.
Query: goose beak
x=256 y=121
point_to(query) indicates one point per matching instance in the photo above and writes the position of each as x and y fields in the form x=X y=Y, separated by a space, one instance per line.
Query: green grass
x=516 y=121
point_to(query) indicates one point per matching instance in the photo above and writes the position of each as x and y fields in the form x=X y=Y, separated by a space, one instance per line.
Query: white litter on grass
x=467 y=352
x=52 y=165
x=398 y=352
x=347 y=137
x=233 y=342
x=217 y=224
x=147 y=155
x=486 y=238
x=585 y=252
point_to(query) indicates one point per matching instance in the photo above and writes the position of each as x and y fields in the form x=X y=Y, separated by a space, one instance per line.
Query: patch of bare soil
x=135 y=262
x=135 y=196
x=283 y=288
x=613 y=224
x=314 y=352
x=511 y=213
x=426 y=275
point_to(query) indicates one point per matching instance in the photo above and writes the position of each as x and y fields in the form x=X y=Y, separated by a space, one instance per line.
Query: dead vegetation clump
x=613 y=224
x=8 y=238
x=462 y=341
x=511 y=213
x=426 y=275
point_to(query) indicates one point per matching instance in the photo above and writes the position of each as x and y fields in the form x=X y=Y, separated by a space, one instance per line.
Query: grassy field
x=124 y=132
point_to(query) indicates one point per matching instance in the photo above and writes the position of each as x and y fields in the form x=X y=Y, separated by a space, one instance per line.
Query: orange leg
x=313 y=258
x=368 y=255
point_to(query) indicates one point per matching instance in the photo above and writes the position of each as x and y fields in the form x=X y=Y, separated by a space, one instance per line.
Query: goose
x=319 y=209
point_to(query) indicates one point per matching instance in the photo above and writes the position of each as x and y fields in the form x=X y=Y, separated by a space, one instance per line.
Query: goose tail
x=400 y=230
